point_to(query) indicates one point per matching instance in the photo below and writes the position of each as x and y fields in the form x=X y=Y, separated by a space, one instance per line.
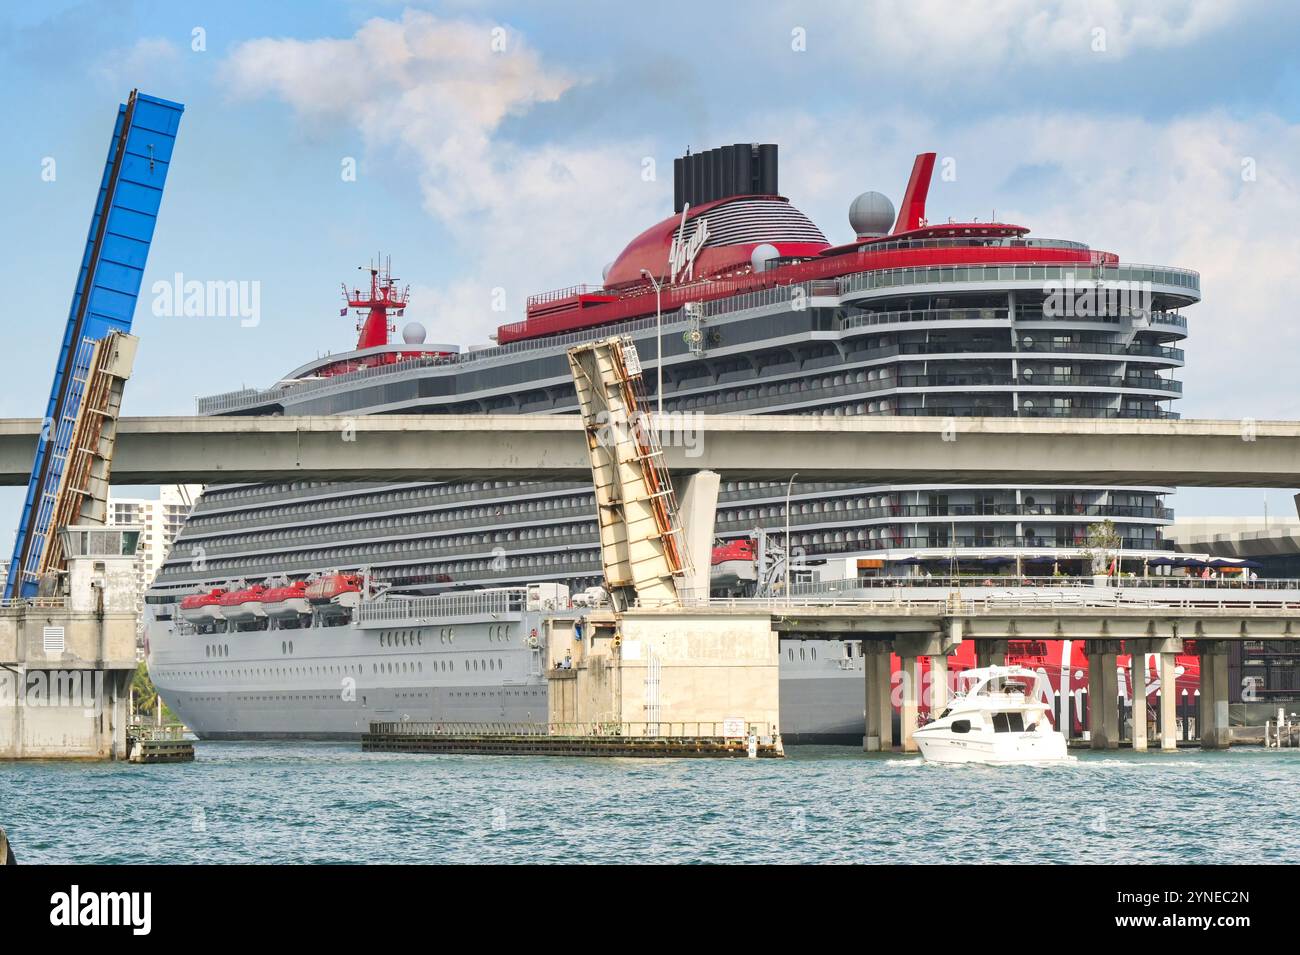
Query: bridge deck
x=537 y=447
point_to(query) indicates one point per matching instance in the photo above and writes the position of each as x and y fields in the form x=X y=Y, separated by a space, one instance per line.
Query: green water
x=307 y=802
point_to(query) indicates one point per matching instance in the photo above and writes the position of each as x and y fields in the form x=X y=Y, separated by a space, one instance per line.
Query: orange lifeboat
x=203 y=608
x=285 y=603
x=734 y=563
x=243 y=606
x=326 y=587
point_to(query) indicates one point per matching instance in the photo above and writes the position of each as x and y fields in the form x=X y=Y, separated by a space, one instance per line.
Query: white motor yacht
x=997 y=719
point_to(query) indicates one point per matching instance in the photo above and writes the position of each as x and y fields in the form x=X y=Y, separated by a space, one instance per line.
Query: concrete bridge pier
x=910 y=647
x=1103 y=693
x=1168 y=703
x=1166 y=650
x=1212 y=718
x=1138 y=678
x=938 y=684
x=878 y=680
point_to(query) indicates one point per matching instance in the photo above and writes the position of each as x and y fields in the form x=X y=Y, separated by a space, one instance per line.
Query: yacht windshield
x=1013 y=722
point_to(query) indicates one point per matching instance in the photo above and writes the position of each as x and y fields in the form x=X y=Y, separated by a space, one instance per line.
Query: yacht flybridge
x=998 y=719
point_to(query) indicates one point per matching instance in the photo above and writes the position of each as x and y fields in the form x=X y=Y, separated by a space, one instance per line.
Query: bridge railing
x=701 y=729
x=1007 y=580
x=966 y=598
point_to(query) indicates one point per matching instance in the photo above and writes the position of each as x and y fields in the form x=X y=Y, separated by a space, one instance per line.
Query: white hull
x=331 y=682
x=1012 y=749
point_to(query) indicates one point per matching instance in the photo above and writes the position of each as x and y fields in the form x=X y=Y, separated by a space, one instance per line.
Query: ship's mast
x=384 y=297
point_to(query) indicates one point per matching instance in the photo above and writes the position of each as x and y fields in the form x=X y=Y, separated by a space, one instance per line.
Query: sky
x=502 y=149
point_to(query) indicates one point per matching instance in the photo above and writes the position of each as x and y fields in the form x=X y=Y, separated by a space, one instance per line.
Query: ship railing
x=1025 y=272
x=689 y=729
x=250 y=397
x=393 y=607
x=559 y=294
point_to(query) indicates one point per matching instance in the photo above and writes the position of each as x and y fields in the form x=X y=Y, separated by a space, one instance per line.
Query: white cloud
x=973 y=36
x=148 y=60
x=436 y=92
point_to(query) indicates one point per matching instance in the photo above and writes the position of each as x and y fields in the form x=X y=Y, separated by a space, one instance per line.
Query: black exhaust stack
x=741 y=170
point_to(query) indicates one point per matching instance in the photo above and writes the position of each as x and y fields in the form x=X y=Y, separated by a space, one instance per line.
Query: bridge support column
x=1168 y=703
x=876 y=667
x=1103 y=694
x=1138 y=677
x=1212 y=720
x=911 y=667
x=991 y=653
x=699 y=508
x=938 y=684
x=910 y=647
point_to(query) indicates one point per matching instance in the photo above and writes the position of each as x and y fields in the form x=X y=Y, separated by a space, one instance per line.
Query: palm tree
x=146 y=697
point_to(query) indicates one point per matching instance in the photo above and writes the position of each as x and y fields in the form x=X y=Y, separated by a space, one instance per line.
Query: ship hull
x=331 y=682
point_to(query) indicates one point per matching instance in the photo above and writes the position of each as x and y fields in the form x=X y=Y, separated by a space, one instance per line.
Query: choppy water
x=305 y=802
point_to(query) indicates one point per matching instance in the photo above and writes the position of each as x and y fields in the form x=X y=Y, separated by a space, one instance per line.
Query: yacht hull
x=1008 y=749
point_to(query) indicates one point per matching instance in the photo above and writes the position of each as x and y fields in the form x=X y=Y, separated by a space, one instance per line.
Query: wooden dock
x=639 y=740
x=158 y=744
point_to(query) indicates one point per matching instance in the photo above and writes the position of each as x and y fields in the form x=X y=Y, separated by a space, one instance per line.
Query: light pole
x=788 y=553
x=659 y=344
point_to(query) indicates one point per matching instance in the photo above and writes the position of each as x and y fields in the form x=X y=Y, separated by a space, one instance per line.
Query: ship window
x=1009 y=722
x=961 y=726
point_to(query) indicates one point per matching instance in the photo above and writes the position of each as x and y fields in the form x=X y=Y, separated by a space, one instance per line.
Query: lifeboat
x=285 y=603
x=334 y=596
x=734 y=563
x=243 y=606
x=203 y=608
x=327 y=587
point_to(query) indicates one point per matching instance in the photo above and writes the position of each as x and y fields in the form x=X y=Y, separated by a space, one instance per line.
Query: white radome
x=414 y=334
x=761 y=255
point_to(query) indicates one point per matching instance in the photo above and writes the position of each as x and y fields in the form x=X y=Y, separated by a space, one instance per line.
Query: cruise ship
x=737 y=303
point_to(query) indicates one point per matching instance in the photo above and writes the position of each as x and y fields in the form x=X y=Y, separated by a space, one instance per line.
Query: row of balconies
x=418 y=514
x=843 y=510
x=308 y=538
x=987 y=314
x=486 y=549
x=1076 y=541
x=312 y=529
x=813 y=390
x=424 y=499
x=1101 y=511
x=1025 y=346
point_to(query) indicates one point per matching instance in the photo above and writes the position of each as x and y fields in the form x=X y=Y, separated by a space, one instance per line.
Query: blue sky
x=1124 y=126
